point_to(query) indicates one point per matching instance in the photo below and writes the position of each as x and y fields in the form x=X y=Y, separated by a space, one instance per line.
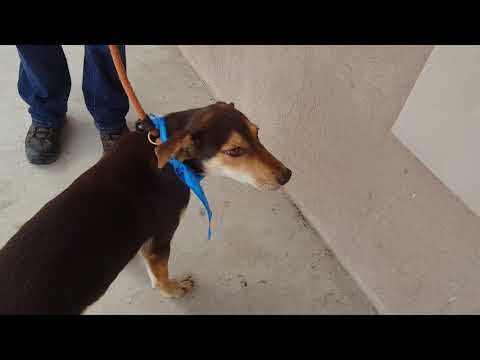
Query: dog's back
x=65 y=257
x=50 y=264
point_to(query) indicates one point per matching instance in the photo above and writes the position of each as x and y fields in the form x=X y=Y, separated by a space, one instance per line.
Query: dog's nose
x=284 y=176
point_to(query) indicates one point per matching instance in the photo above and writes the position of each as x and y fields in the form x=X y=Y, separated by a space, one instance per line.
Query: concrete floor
x=263 y=258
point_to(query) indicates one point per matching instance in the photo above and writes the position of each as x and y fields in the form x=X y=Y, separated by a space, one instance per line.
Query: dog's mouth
x=267 y=179
x=263 y=185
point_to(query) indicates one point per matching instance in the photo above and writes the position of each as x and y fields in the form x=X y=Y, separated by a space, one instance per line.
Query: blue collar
x=184 y=172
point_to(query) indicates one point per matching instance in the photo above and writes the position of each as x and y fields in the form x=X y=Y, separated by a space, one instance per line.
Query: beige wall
x=327 y=112
x=439 y=122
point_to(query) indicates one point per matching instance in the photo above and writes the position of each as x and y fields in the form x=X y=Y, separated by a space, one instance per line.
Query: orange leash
x=122 y=75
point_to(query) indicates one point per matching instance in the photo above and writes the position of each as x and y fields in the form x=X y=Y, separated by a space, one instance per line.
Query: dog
x=66 y=256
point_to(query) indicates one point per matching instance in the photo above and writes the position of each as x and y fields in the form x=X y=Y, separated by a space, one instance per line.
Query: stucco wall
x=327 y=112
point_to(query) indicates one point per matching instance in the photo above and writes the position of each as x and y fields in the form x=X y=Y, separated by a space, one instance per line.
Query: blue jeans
x=44 y=84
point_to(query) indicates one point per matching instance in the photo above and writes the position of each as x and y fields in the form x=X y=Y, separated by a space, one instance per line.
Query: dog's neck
x=184 y=120
x=139 y=154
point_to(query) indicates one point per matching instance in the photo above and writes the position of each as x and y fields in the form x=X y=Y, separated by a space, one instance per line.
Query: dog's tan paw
x=176 y=289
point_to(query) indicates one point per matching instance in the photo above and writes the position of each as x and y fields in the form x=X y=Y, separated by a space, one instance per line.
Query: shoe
x=42 y=145
x=110 y=138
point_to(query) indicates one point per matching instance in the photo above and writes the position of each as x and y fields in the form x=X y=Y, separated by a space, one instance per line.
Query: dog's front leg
x=156 y=260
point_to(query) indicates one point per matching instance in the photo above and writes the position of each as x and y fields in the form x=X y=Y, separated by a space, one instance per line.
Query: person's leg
x=44 y=84
x=104 y=96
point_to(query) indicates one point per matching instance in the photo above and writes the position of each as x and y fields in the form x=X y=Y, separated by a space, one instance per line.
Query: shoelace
x=44 y=133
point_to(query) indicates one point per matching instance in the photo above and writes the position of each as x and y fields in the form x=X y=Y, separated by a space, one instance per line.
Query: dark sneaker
x=109 y=138
x=42 y=145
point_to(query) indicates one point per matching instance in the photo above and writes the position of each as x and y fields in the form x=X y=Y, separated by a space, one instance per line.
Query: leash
x=147 y=123
x=122 y=75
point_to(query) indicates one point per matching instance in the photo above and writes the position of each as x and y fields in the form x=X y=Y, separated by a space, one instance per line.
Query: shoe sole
x=41 y=159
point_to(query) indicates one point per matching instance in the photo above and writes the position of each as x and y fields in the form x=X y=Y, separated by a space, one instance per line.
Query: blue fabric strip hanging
x=184 y=172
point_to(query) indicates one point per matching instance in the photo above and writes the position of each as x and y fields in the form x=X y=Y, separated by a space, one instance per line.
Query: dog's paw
x=176 y=289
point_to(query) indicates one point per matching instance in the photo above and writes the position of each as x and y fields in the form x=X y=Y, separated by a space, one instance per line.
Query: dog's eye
x=235 y=152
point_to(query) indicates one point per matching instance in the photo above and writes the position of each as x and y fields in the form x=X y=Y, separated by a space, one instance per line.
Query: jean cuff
x=49 y=123
x=119 y=125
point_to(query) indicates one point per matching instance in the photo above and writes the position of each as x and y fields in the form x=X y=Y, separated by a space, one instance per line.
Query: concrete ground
x=263 y=257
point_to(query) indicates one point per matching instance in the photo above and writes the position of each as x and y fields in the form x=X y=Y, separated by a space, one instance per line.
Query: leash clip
x=145 y=125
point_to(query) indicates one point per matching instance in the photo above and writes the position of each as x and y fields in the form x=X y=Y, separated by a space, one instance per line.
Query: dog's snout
x=284 y=176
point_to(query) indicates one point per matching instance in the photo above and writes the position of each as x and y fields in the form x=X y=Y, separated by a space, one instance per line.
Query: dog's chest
x=172 y=194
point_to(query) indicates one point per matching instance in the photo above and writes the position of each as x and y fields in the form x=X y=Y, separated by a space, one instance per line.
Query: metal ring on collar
x=150 y=139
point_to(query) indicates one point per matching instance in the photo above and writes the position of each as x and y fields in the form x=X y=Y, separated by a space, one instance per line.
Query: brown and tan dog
x=65 y=257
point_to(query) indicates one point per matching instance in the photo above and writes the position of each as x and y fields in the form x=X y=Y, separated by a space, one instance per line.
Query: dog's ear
x=179 y=146
x=188 y=150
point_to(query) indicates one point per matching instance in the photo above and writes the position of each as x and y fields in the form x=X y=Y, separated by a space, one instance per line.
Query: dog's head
x=226 y=143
